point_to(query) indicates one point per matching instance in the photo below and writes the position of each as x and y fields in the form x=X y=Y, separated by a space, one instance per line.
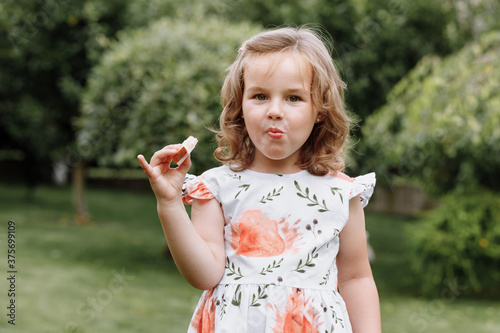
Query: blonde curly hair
x=324 y=150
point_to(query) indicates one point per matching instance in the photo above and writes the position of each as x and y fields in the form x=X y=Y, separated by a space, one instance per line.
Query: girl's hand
x=166 y=182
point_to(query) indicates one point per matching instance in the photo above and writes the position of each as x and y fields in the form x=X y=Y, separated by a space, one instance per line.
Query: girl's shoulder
x=362 y=186
x=205 y=186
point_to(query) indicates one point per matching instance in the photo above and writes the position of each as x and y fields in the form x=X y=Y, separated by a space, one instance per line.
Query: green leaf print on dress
x=325 y=278
x=270 y=195
x=309 y=261
x=237 y=296
x=313 y=201
x=336 y=190
x=259 y=296
x=232 y=270
x=243 y=187
x=270 y=268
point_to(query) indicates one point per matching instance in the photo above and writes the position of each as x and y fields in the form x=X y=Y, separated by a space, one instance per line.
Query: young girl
x=277 y=231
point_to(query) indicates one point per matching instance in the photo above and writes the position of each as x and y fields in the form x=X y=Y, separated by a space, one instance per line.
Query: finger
x=144 y=164
x=164 y=156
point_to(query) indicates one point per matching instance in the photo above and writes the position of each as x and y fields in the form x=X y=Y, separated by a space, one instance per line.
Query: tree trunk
x=81 y=212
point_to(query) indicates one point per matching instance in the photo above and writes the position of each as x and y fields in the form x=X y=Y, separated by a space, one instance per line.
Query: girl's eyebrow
x=292 y=91
x=254 y=89
x=298 y=91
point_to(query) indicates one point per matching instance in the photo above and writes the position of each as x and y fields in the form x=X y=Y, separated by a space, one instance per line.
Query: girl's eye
x=260 y=97
x=294 y=98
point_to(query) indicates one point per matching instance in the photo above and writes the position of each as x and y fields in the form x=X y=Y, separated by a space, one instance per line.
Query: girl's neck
x=275 y=168
x=264 y=164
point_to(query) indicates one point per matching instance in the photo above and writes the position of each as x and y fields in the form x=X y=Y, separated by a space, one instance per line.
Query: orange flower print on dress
x=298 y=316
x=204 y=319
x=255 y=235
x=196 y=190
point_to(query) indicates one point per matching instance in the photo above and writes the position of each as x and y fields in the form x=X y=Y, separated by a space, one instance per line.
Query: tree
x=158 y=85
x=47 y=49
x=440 y=127
x=440 y=130
x=390 y=38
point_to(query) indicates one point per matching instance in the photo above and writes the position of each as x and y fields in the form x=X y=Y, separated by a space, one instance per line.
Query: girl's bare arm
x=196 y=244
x=356 y=283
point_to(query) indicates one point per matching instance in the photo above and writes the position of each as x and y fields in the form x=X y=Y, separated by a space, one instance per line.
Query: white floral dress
x=281 y=241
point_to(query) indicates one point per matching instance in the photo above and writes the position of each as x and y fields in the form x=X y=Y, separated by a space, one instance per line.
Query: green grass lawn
x=111 y=275
x=402 y=309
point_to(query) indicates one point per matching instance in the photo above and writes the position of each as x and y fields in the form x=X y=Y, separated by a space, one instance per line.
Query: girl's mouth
x=275 y=133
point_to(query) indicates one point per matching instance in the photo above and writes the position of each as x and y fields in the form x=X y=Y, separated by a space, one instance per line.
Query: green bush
x=458 y=243
x=156 y=86
x=440 y=127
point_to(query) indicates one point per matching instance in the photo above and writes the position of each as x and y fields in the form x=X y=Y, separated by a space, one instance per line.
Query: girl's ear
x=320 y=118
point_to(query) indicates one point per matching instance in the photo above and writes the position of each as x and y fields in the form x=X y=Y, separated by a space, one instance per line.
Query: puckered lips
x=275 y=133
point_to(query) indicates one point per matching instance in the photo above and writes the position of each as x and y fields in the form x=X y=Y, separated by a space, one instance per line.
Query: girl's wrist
x=169 y=204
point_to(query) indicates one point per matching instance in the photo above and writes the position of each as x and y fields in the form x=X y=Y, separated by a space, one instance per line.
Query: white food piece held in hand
x=187 y=147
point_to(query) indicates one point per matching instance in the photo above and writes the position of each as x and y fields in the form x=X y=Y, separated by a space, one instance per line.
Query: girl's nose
x=275 y=112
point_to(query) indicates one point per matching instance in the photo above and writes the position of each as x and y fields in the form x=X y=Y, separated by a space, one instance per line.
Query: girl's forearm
x=194 y=258
x=361 y=298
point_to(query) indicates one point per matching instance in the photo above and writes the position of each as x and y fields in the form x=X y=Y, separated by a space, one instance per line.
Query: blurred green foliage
x=376 y=42
x=389 y=38
x=49 y=49
x=458 y=243
x=156 y=86
x=441 y=125
x=440 y=130
x=393 y=35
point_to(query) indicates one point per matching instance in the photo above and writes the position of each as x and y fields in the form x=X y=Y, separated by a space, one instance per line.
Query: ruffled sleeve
x=363 y=186
x=195 y=188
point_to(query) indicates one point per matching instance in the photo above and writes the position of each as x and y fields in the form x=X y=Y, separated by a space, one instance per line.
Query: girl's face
x=278 y=110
